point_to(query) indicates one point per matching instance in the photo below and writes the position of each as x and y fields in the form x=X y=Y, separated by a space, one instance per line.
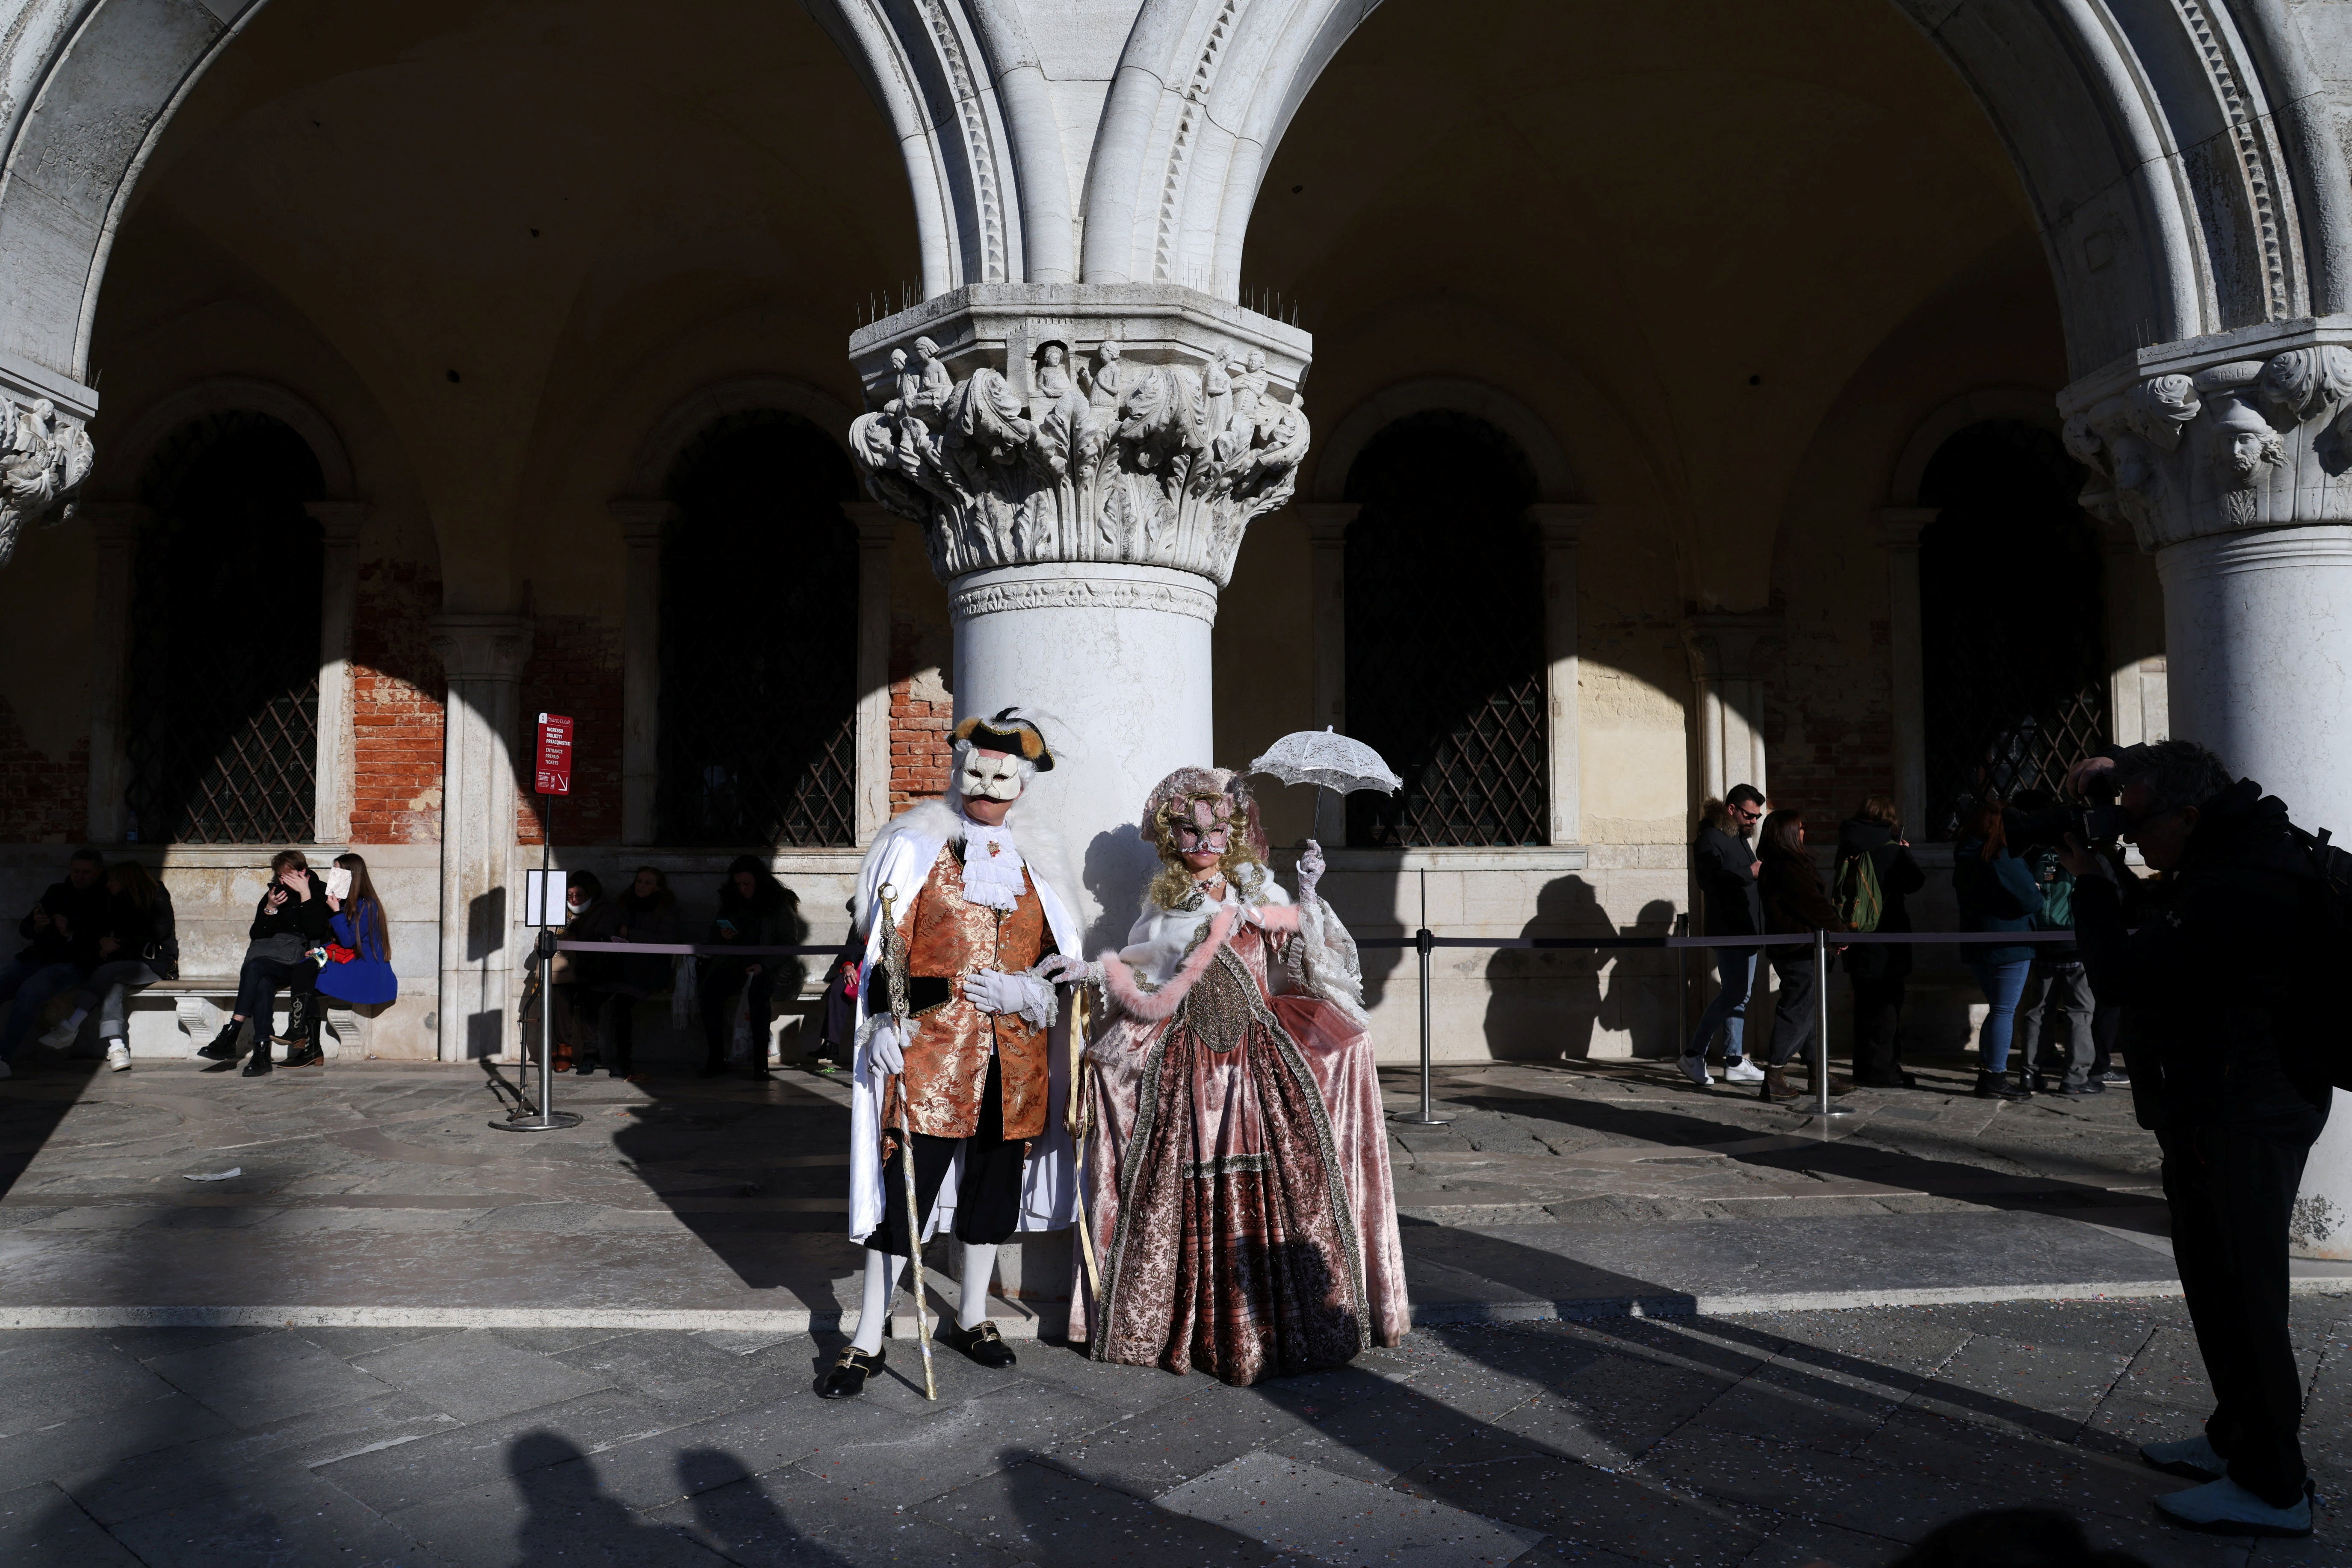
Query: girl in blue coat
x=366 y=979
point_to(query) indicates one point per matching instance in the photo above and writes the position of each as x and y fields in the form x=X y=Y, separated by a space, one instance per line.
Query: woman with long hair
x=359 y=969
x=754 y=910
x=1794 y=900
x=290 y=923
x=1874 y=834
x=1997 y=892
x=139 y=947
x=1237 y=1171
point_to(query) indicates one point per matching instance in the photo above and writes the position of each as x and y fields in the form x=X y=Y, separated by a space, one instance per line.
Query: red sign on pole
x=554 y=754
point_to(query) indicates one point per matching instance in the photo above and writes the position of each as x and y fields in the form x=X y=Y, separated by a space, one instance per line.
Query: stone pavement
x=377 y=1193
x=1765 y=1440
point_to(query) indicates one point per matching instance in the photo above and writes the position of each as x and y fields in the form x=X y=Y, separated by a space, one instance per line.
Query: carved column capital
x=1135 y=423
x=1729 y=648
x=480 y=648
x=45 y=451
x=642 y=519
x=1328 y=522
x=339 y=521
x=1899 y=527
x=114 y=521
x=1561 y=522
x=2250 y=429
x=876 y=524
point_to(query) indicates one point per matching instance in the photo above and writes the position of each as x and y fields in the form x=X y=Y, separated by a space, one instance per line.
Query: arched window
x=224 y=692
x=759 y=639
x=2010 y=619
x=1445 y=636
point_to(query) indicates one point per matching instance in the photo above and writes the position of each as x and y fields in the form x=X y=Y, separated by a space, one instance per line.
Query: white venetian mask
x=989 y=775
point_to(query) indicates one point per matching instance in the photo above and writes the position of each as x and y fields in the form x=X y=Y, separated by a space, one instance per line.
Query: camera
x=2094 y=821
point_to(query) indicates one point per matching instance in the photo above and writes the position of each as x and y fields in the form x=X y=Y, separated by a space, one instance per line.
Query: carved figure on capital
x=1154 y=464
x=2250 y=442
x=43 y=455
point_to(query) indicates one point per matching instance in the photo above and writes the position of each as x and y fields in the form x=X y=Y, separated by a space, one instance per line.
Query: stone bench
x=171 y=1017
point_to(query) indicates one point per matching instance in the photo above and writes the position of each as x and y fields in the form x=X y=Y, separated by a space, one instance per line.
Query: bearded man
x=971 y=1071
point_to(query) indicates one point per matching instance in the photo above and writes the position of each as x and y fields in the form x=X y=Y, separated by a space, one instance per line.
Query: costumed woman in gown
x=1236 y=1163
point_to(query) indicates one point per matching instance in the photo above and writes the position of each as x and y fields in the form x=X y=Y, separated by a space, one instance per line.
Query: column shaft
x=116 y=525
x=1561 y=524
x=641 y=522
x=339 y=585
x=1326 y=533
x=482 y=656
x=878 y=527
x=1907 y=679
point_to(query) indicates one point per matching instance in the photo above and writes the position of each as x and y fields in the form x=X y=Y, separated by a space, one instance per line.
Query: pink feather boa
x=1127 y=995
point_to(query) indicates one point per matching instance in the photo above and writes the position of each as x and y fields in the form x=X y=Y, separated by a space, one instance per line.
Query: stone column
x=1726 y=654
x=482 y=658
x=1084 y=460
x=2227 y=457
x=2136 y=703
x=1561 y=523
x=116 y=525
x=1327 y=533
x=641 y=522
x=876 y=526
x=339 y=586
x=1899 y=528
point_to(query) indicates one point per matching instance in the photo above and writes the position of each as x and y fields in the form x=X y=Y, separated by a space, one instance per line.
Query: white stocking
x=978 y=1268
x=881 y=1279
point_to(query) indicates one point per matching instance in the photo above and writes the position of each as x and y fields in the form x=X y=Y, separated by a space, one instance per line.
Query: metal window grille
x=1446 y=657
x=223 y=722
x=758 y=640
x=2012 y=628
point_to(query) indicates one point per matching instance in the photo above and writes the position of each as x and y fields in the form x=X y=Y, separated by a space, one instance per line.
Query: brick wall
x=397 y=693
x=43 y=799
x=920 y=718
x=575 y=668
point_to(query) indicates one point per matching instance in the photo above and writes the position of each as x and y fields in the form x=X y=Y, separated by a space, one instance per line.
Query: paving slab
x=1344 y=1522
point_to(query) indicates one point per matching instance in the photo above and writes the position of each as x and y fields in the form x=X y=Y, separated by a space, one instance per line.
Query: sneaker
x=2114 y=1077
x=2191 y=1457
x=118 y=1057
x=1739 y=1069
x=2225 y=1507
x=1695 y=1069
x=61 y=1039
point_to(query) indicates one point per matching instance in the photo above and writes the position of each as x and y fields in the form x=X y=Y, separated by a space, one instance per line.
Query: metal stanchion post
x=1422 y=945
x=1821 y=1027
x=549 y=1118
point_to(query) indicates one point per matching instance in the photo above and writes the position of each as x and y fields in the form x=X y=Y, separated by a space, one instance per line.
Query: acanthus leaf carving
x=1161 y=465
x=44 y=455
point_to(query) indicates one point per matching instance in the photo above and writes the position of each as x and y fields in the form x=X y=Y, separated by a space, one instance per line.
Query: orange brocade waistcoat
x=946 y=1064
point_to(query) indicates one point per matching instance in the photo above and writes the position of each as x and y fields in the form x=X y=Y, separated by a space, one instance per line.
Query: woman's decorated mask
x=1202 y=825
x=989 y=775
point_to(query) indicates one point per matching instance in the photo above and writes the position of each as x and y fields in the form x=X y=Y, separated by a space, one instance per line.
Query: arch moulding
x=2027 y=405
x=124 y=460
x=1555 y=479
x=706 y=406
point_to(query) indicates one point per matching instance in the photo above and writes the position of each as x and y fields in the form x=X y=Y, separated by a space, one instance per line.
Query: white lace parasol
x=1328 y=760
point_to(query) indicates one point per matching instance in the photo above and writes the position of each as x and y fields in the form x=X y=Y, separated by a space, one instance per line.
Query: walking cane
x=1077 y=1116
x=894 y=970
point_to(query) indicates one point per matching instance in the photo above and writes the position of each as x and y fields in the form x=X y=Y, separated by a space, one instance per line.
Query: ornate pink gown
x=1236 y=1167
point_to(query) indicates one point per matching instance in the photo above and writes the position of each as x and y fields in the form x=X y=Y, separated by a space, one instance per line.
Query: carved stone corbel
x=45 y=450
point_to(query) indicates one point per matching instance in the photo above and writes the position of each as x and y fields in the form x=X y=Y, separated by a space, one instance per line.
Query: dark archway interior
x=2012 y=620
x=759 y=634
x=1444 y=609
x=223 y=713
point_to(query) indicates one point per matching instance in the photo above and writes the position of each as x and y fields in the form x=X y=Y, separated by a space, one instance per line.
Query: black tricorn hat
x=1010 y=733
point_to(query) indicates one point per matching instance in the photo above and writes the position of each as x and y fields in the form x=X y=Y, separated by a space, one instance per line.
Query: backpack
x=2327 y=927
x=1856 y=896
x=2057 y=885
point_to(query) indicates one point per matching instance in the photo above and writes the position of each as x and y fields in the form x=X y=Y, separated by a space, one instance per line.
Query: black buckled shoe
x=983 y=1344
x=847 y=1378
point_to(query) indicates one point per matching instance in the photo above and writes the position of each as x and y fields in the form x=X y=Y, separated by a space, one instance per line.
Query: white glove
x=886 y=1045
x=1310 y=868
x=993 y=991
x=1063 y=969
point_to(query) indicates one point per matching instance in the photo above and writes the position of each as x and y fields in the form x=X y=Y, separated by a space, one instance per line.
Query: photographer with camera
x=2216 y=982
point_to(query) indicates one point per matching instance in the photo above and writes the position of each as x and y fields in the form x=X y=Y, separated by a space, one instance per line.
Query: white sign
x=542 y=899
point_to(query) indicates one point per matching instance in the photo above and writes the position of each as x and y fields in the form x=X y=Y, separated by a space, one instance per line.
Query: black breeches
x=988 y=1196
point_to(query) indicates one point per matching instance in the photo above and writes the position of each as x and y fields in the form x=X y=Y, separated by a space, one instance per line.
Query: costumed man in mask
x=971 y=1070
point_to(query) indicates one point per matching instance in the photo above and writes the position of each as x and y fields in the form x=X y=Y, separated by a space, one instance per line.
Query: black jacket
x=149 y=934
x=1720 y=861
x=85 y=911
x=1899 y=877
x=1794 y=900
x=310 y=917
x=2208 y=981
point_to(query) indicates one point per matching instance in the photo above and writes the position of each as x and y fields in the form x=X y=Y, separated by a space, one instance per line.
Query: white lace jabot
x=992 y=867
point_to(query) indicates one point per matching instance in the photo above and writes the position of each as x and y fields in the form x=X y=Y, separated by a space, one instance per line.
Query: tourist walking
x=62 y=930
x=1997 y=893
x=1724 y=866
x=358 y=972
x=1879 y=971
x=754 y=910
x=1794 y=900
x=140 y=946
x=2234 y=1088
x=647 y=912
x=291 y=928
